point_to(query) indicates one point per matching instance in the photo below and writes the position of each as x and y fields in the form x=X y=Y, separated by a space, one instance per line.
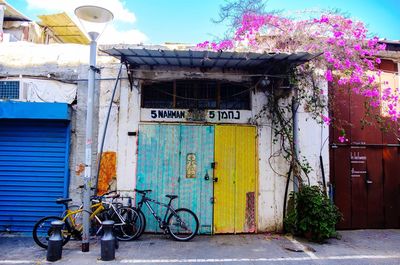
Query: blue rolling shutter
x=33 y=171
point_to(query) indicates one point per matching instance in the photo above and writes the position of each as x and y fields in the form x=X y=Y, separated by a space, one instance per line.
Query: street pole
x=88 y=147
x=93 y=20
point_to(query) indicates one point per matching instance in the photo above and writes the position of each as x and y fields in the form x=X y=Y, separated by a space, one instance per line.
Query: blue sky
x=189 y=21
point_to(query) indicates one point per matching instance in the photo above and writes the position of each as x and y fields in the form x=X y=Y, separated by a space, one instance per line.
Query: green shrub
x=311 y=214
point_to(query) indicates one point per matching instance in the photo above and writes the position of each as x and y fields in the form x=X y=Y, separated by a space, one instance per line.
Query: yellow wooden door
x=234 y=191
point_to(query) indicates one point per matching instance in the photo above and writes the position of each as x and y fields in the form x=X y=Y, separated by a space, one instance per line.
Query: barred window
x=9 y=89
x=196 y=94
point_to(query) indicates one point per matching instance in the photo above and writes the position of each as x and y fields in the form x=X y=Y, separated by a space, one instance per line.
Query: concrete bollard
x=108 y=241
x=54 y=248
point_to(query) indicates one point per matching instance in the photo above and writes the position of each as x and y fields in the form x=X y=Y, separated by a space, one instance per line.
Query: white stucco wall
x=272 y=170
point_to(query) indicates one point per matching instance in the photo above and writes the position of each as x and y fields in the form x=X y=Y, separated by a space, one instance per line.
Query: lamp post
x=94 y=20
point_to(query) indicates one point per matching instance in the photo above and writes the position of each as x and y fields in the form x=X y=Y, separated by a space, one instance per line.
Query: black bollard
x=54 y=248
x=108 y=241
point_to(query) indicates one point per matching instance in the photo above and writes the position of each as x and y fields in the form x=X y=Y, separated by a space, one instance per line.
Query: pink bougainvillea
x=348 y=54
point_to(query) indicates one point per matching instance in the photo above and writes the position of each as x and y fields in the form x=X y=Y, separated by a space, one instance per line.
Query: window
x=196 y=94
x=158 y=95
x=9 y=89
x=234 y=96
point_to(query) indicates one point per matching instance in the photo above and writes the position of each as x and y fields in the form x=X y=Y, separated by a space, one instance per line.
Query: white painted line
x=10 y=261
x=301 y=246
x=208 y=260
x=258 y=259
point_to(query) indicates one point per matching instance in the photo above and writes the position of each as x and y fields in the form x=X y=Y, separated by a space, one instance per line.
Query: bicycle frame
x=161 y=222
x=70 y=215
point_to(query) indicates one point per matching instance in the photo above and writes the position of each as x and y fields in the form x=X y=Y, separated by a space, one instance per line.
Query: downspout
x=295 y=118
x=2 y=8
x=105 y=127
x=398 y=75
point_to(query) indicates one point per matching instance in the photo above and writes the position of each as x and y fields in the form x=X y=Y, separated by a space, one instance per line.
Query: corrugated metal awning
x=11 y=14
x=154 y=57
x=64 y=28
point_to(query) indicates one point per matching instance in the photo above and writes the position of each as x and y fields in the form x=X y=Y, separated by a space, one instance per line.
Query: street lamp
x=93 y=19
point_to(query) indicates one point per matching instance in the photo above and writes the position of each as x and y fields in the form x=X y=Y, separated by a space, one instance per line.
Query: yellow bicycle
x=127 y=220
x=72 y=222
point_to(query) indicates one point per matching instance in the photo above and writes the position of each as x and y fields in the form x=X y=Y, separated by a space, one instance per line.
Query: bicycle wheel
x=143 y=218
x=132 y=227
x=183 y=224
x=42 y=231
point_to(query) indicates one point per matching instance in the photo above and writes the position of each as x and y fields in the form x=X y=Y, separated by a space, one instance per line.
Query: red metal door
x=365 y=169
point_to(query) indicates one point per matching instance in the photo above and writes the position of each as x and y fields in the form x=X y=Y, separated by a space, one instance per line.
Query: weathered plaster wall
x=272 y=169
x=64 y=62
x=70 y=62
x=124 y=118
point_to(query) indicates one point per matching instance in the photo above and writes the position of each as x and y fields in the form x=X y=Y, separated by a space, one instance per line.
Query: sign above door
x=186 y=115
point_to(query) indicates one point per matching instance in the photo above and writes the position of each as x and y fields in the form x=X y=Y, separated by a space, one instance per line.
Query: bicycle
x=125 y=227
x=182 y=224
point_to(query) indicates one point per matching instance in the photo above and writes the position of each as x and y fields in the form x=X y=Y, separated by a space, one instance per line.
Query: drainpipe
x=2 y=8
x=398 y=75
x=105 y=127
x=295 y=117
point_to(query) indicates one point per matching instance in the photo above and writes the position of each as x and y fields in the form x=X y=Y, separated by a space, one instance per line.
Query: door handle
x=369 y=181
x=206 y=176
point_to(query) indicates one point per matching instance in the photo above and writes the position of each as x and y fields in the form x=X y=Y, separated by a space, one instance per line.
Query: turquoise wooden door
x=196 y=173
x=176 y=159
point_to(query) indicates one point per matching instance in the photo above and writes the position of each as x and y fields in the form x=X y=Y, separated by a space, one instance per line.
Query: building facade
x=181 y=122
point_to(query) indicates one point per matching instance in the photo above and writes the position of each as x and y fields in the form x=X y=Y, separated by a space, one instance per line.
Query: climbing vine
x=348 y=60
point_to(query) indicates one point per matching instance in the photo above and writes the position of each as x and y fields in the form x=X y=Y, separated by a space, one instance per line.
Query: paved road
x=355 y=247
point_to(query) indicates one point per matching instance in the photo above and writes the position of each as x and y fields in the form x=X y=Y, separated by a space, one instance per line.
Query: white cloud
x=111 y=35
x=115 y=6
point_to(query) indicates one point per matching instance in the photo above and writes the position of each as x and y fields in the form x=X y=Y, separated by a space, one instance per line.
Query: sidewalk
x=355 y=247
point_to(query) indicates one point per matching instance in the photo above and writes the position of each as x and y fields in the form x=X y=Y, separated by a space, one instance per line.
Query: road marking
x=301 y=246
x=258 y=259
x=10 y=261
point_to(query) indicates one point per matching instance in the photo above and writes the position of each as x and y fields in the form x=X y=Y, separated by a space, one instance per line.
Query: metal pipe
x=285 y=196
x=295 y=118
x=2 y=8
x=398 y=75
x=321 y=164
x=88 y=147
x=105 y=127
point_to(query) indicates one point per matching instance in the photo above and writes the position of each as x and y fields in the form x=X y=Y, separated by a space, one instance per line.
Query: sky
x=189 y=21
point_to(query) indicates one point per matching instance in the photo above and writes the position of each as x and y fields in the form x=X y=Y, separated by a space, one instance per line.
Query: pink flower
x=203 y=45
x=378 y=60
x=326 y=119
x=382 y=47
x=324 y=19
x=343 y=139
x=338 y=34
x=328 y=75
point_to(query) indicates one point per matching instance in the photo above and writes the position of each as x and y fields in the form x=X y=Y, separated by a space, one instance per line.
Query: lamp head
x=93 y=19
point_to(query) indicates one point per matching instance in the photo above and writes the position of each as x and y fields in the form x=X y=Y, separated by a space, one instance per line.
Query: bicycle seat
x=142 y=191
x=63 y=200
x=171 y=196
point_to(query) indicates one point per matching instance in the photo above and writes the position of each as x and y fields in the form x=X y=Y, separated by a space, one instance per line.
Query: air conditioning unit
x=16 y=90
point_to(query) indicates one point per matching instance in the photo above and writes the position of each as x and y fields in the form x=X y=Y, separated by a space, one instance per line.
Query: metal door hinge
x=213 y=165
